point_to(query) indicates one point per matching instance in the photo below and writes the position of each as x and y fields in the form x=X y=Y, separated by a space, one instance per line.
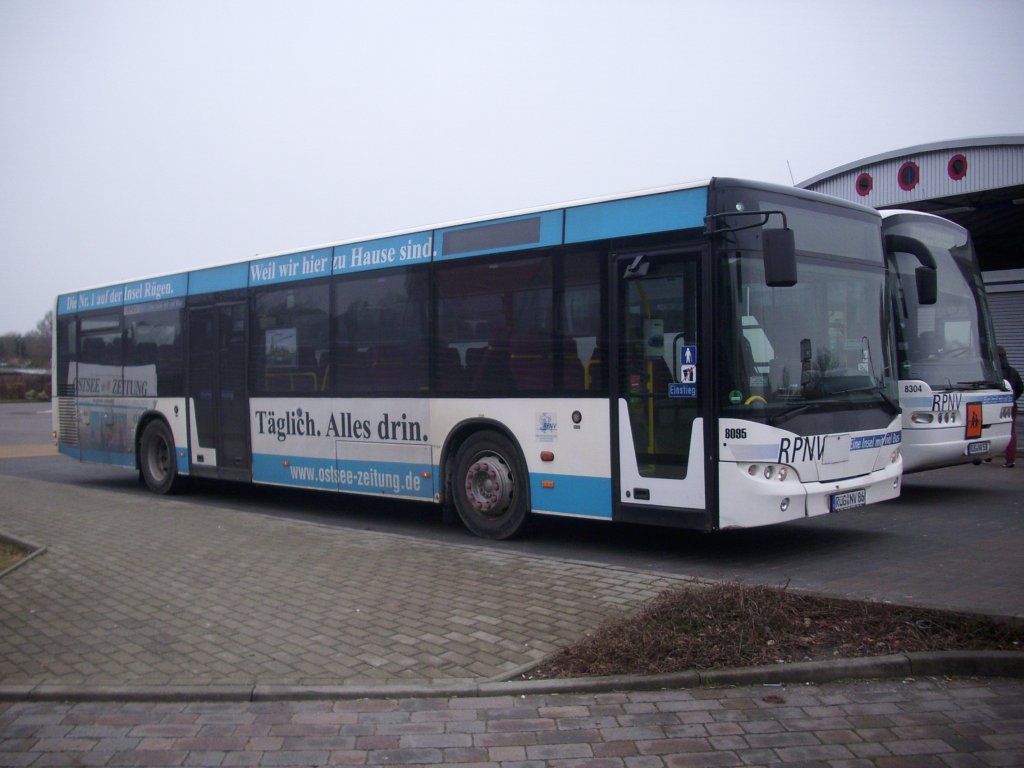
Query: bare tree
x=44 y=327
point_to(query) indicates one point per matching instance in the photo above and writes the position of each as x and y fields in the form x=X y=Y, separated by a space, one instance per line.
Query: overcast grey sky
x=140 y=137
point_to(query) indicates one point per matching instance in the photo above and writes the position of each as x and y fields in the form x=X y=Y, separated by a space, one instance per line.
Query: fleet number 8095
x=735 y=433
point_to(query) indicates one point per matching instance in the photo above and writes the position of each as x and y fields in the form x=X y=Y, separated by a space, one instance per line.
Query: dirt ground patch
x=10 y=553
x=733 y=625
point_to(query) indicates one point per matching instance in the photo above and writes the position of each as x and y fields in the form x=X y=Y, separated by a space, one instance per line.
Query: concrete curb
x=925 y=664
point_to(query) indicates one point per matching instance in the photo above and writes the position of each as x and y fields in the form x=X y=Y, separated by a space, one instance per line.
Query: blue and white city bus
x=712 y=355
x=955 y=407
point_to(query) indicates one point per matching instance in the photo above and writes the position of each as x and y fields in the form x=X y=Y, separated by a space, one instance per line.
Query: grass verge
x=10 y=554
x=734 y=625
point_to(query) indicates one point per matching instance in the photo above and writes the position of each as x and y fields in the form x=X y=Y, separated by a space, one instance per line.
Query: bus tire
x=490 y=486
x=157 y=462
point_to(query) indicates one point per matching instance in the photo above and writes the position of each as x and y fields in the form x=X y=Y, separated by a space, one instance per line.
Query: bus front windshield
x=949 y=344
x=814 y=357
x=815 y=347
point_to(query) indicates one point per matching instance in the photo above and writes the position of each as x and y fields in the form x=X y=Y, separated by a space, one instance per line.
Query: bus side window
x=582 y=324
x=290 y=332
x=381 y=323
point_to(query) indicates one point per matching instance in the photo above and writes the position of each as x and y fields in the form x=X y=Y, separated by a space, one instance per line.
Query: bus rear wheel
x=156 y=458
x=490 y=486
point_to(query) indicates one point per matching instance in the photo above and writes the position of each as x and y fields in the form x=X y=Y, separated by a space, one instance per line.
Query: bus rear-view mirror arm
x=779 y=246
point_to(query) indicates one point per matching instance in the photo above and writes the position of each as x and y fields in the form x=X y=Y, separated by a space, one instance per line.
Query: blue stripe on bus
x=682 y=209
x=568 y=494
x=378 y=477
x=305 y=265
x=549 y=233
x=869 y=442
x=218 y=279
x=927 y=401
x=572 y=495
x=158 y=288
x=1006 y=399
x=118 y=458
x=384 y=252
x=108 y=457
x=87 y=301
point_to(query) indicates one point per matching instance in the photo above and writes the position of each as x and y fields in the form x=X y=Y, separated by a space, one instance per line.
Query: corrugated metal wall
x=988 y=167
x=1005 y=292
x=1007 y=310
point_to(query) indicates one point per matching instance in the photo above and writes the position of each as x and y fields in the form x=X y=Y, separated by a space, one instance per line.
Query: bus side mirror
x=927 y=285
x=925 y=275
x=779 y=257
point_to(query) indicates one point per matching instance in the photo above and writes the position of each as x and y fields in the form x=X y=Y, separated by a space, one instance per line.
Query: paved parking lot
x=139 y=617
x=177 y=592
x=143 y=632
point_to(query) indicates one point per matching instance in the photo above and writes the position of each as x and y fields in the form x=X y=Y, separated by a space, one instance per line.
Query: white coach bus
x=955 y=407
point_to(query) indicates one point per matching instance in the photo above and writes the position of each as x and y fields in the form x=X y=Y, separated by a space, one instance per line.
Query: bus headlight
x=895 y=456
x=768 y=471
x=784 y=504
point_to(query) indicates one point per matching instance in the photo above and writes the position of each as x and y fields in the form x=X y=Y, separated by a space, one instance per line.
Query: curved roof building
x=976 y=182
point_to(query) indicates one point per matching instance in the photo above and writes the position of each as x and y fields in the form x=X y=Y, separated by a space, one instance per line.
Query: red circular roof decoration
x=957 y=167
x=864 y=184
x=908 y=176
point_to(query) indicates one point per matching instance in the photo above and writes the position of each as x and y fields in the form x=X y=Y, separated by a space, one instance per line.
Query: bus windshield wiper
x=982 y=384
x=789 y=413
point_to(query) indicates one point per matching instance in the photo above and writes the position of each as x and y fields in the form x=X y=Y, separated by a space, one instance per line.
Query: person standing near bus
x=1011 y=375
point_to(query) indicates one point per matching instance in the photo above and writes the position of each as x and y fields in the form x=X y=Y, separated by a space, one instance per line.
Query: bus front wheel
x=490 y=486
x=156 y=458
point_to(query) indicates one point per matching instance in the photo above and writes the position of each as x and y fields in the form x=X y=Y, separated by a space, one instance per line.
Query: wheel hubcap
x=489 y=486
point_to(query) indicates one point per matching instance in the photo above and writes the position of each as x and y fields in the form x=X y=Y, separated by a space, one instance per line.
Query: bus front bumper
x=753 y=499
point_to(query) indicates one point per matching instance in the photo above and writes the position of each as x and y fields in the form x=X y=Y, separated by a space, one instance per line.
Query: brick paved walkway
x=890 y=724
x=172 y=592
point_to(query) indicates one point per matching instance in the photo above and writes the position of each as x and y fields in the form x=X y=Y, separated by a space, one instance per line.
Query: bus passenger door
x=219 y=423
x=658 y=392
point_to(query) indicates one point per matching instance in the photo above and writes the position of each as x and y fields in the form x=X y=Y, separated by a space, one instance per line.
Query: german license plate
x=840 y=502
x=976 y=448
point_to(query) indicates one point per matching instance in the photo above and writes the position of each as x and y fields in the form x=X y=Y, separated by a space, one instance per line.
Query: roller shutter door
x=1008 y=318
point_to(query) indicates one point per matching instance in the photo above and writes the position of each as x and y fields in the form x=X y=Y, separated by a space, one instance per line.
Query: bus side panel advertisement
x=106 y=432
x=361 y=446
x=107 y=429
x=389 y=478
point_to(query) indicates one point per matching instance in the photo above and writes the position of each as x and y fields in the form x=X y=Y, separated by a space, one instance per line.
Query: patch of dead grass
x=734 y=625
x=10 y=553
